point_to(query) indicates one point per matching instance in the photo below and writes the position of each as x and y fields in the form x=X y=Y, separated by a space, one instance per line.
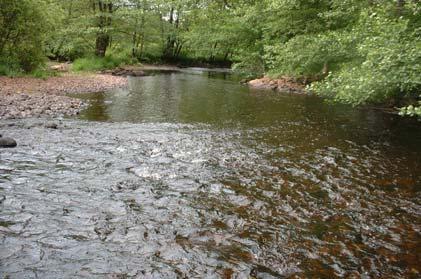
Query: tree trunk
x=226 y=56
x=399 y=6
x=169 y=47
x=178 y=50
x=102 y=42
x=104 y=21
x=134 y=39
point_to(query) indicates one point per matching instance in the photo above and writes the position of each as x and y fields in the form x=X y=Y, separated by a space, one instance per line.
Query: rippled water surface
x=195 y=176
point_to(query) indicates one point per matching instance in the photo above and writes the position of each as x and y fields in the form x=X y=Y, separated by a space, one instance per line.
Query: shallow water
x=195 y=176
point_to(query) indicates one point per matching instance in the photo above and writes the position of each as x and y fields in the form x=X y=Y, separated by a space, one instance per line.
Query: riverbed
x=192 y=175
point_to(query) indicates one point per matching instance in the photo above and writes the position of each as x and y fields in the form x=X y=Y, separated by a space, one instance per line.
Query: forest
x=356 y=52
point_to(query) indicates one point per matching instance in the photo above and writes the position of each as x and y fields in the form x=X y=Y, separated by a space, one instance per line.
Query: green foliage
x=14 y=70
x=411 y=110
x=22 y=28
x=10 y=69
x=94 y=63
x=250 y=65
x=386 y=63
x=369 y=51
x=353 y=51
x=329 y=49
x=42 y=72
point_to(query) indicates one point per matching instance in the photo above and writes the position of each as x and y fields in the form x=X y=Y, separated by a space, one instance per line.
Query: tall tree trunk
x=226 y=56
x=141 y=38
x=104 y=21
x=169 y=47
x=134 y=40
x=101 y=44
x=213 y=49
x=178 y=49
x=399 y=6
x=142 y=47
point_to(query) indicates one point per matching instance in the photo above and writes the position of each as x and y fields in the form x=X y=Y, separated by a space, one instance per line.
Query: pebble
x=51 y=125
x=7 y=142
x=30 y=97
x=16 y=106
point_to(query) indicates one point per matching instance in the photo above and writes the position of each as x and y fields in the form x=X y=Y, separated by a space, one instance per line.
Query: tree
x=23 y=25
x=103 y=13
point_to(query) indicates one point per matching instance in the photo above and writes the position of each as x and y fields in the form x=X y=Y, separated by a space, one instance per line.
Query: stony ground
x=283 y=84
x=28 y=97
x=36 y=105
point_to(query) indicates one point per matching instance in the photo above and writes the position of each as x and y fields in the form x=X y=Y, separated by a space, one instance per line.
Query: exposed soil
x=32 y=97
x=283 y=84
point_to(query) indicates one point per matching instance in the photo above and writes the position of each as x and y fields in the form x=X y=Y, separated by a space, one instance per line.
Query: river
x=192 y=175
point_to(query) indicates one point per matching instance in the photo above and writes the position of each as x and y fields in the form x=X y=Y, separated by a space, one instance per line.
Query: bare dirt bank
x=283 y=84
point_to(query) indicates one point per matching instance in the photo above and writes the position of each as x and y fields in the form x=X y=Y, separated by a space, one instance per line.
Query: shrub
x=9 y=68
x=411 y=110
x=23 y=25
x=100 y=63
x=307 y=55
x=390 y=64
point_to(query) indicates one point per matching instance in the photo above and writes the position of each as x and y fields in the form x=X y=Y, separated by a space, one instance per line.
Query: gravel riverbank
x=32 y=97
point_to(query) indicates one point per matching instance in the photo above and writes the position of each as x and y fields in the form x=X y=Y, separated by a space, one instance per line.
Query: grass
x=11 y=70
x=99 y=63
x=86 y=64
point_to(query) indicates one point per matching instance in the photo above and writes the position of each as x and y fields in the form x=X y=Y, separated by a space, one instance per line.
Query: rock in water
x=51 y=125
x=7 y=142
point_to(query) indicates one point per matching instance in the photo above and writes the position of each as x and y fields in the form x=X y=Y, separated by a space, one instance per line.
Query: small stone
x=51 y=125
x=7 y=142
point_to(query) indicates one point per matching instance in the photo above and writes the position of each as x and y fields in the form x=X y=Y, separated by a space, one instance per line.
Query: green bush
x=250 y=65
x=388 y=64
x=307 y=55
x=100 y=63
x=23 y=25
x=8 y=68
x=411 y=110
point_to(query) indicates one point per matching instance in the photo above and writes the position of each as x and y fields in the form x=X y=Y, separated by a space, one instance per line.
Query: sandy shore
x=31 y=97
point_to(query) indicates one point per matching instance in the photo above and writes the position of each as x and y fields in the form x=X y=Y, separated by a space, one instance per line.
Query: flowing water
x=195 y=176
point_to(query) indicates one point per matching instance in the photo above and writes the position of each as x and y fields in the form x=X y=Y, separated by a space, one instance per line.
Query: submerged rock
x=7 y=142
x=51 y=125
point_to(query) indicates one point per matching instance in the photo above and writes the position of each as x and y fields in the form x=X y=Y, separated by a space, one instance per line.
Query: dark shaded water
x=189 y=176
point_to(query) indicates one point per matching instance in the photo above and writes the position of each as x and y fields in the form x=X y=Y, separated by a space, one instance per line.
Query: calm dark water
x=195 y=176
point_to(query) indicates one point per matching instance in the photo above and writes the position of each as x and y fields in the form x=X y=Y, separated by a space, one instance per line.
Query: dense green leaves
x=411 y=110
x=22 y=32
x=386 y=63
x=353 y=51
